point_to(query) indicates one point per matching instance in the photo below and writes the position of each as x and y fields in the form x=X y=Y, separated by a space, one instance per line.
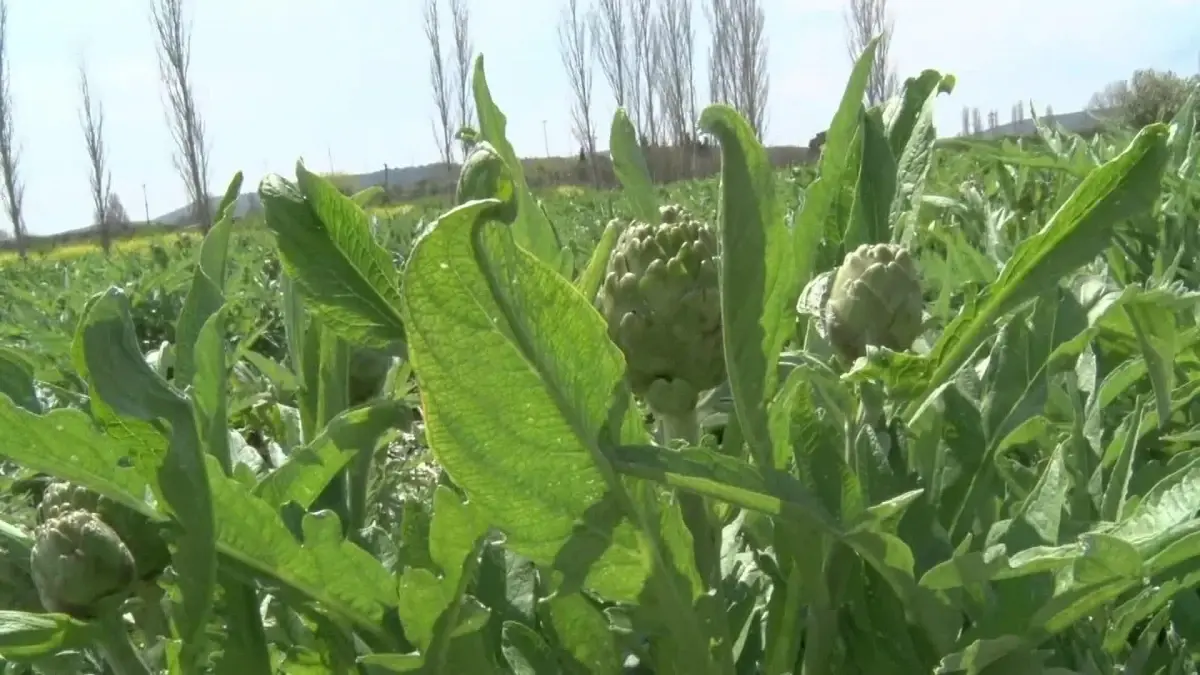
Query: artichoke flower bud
x=79 y=563
x=875 y=300
x=137 y=532
x=661 y=299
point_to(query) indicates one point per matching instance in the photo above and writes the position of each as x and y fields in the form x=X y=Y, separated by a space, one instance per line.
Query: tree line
x=647 y=51
x=649 y=54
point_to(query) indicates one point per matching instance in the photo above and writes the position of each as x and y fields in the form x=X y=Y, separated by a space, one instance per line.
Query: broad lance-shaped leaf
x=26 y=636
x=912 y=138
x=758 y=288
x=310 y=468
x=1081 y=229
x=518 y=381
x=630 y=166
x=589 y=282
x=144 y=443
x=583 y=633
x=16 y=379
x=870 y=223
x=64 y=443
x=829 y=199
x=206 y=294
x=432 y=608
x=532 y=229
x=1158 y=336
x=326 y=247
x=912 y=110
x=525 y=434
x=245 y=645
x=126 y=382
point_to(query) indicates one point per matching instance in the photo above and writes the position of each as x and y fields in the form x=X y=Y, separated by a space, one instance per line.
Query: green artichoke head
x=661 y=299
x=80 y=564
x=875 y=300
x=139 y=534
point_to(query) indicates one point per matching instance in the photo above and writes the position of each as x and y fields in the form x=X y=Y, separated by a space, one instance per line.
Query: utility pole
x=545 y=138
x=146 y=203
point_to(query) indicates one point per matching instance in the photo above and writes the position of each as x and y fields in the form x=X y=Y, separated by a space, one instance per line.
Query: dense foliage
x=484 y=438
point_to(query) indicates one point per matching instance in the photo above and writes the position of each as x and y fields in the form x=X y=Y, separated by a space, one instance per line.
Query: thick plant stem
x=150 y=617
x=118 y=650
x=685 y=427
x=698 y=517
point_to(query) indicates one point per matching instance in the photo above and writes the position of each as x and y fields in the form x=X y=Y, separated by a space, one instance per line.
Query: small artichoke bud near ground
x=78 y=563
x=662 y=302
x=139 y=534
x=875 y=300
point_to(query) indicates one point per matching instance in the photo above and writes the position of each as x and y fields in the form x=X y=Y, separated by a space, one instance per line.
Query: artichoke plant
x=875 y=300
x=137 y=532
x=661 y=299
x=79 y=564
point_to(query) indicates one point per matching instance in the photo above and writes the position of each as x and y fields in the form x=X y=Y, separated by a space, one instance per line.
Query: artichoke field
x=931 y=412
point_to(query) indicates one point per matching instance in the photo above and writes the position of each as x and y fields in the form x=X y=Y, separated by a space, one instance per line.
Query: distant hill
x=439 y=178
x=398 y=180
x=1082 y=122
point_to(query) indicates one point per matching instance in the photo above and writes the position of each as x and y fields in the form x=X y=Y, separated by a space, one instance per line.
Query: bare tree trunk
x=174 y=62
x=864 y=20
x=443 y=134
x=738 y=59
x=720 y=76
x=91 y=118
x=612 y=48
x=464 y=50
x=573 y=47
x=677 y=89
x=644 y=37
x=14 y=191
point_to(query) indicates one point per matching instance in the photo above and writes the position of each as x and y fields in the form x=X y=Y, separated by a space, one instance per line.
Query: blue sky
x=347 y=81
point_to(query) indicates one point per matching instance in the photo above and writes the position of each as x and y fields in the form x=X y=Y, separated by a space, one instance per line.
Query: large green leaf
x=130 y=386
x=829 y=199
x=206 y=294
x=521 y=390
x=1082 y=228
x=532 y=229
x=630 y=166
x=758 y=288
x=326 y=248
x=871 y=221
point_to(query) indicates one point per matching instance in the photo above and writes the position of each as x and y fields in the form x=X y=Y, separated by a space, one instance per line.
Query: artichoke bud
x=79 y=564
x=139 y=534
x=875 y=300
x=662 y=304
